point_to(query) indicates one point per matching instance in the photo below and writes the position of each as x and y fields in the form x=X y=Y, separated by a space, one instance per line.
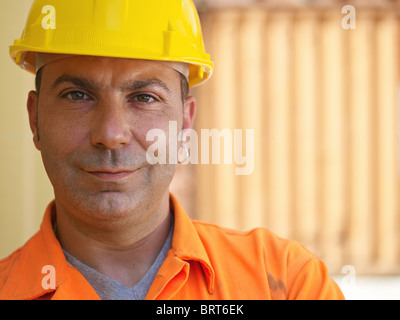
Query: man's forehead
x=43 y=59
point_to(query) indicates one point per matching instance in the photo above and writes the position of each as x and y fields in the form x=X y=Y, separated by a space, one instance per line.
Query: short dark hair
x=184 y=84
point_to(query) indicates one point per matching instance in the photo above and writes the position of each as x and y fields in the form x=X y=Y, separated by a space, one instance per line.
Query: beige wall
x=24 y=189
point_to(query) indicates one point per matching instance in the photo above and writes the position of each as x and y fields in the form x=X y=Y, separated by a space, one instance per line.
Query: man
x=106 y=74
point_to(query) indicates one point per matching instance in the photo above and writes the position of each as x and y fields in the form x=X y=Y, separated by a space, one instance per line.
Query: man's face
x=93 y=115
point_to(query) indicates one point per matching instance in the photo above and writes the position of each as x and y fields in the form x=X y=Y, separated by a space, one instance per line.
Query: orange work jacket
x=205 y=262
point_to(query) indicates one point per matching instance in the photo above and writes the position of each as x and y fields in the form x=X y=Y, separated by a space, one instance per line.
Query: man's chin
x=110 y=206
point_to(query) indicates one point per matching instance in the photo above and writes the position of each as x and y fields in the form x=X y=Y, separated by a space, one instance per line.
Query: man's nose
x=110 y=127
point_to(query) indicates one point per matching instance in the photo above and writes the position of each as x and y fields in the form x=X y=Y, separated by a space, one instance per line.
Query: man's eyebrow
x=130 y=85
x=141 y=84
x=78 y=81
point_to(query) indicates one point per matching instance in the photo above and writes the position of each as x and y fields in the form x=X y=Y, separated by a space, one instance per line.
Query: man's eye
x=77 y=96
x=144 y=98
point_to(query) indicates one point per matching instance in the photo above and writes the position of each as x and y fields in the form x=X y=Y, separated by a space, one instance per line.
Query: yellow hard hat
x=164 y=30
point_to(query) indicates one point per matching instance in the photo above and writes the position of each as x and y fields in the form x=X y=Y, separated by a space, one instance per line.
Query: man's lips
x=111 y=175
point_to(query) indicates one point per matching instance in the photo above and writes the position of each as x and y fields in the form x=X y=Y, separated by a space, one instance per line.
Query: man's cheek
x=163 y=144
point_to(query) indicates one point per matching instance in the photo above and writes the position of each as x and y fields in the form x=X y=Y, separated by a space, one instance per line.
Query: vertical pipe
x=252 y=190
x=333 y=180
x=361 y=139
x=279 y=121
x=305 y=53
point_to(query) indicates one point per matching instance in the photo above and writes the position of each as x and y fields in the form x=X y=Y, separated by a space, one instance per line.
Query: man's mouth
x=111 y=175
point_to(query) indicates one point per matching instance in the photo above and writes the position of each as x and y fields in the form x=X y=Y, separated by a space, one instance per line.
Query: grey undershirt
x=110 y=289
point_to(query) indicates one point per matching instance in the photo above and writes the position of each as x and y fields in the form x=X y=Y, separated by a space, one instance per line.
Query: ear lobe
x=32 y=106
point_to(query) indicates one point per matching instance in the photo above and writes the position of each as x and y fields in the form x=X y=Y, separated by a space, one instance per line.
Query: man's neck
x=124 y=253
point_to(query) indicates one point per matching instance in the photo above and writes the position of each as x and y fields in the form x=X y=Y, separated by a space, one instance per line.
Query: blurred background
x=323 y=102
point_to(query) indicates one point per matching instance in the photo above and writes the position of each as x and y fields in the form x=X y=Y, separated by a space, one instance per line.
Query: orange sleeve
x=314 y=283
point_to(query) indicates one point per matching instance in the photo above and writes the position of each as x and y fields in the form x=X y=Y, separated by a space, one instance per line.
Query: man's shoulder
x=231 y=233
x=259 y=256
x=255 y=241
x=7 y=264
x=16 y=268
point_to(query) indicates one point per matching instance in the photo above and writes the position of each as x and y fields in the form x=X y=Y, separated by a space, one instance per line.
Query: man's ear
x=189 y=112
x=32 y=105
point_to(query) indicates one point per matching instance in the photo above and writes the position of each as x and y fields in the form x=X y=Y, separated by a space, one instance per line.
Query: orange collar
x=24 y=281
x=187 y=245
